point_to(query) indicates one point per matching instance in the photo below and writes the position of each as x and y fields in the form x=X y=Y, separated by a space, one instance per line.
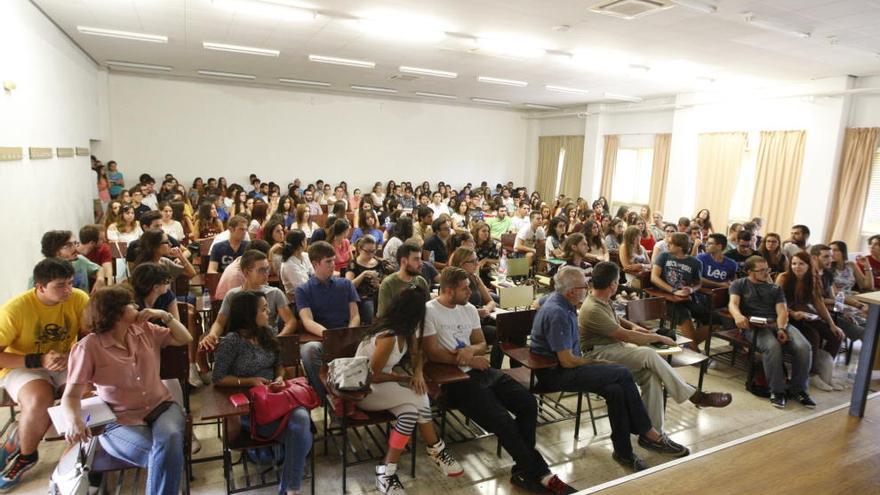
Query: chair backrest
x=205 y=246
x=319 y=220
x=342 y=342
x=517 y=267
x=211 y=281
x=614 y=256
x=507 y=241
x=640 y=310
x=514 y=327
x=540 y=249
x=118 y=249
x=174 y=365
x=520 y=296
x=289 y=350
x=720 y=297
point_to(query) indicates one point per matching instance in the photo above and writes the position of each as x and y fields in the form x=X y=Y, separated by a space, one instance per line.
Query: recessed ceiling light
x=427 y=72
x=342 y=61
x=133 y=65
x=249 y=50
x=126 y=35
x=503 y=82
x=774 y=26
x=490 y=101
x=436 y=95
x=303 y=82
x=266 y=9
x=374 y=89
x=696 y=5
x=620 y=97
x=541 y=107
x=563 y=89
x=229 y=75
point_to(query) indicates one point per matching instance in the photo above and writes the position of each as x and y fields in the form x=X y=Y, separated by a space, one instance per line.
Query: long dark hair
x=844 y=251
x=403 y=229
x=148 y=246
x=243 y=320
x=405 y=316
x=593 y=240
x=800 y=291
x=292 y=241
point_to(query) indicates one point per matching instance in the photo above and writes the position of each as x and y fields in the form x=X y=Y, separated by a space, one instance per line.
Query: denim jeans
x=366 y=309
x=615 y=384
x=297 y=441
x=158 y=448
x=312 y=355
x=772 y=350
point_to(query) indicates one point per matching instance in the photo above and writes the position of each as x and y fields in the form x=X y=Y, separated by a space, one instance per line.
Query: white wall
x=195 y=128
x=54 y=105
x=866 y=108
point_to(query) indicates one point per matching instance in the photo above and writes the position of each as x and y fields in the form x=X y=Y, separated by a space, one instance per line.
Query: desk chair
x=519 y=296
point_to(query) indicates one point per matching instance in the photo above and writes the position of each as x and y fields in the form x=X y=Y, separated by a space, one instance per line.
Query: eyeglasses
x=165 y=243
x=762 y=270
x=71 y=244
x=369 y=251
x=263 y=269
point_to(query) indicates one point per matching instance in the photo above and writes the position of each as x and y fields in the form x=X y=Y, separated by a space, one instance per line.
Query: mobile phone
x=659 y=345
x=239 y=399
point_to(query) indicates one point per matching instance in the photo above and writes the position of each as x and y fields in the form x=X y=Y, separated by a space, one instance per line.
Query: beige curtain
x=778 y=178
x=548 y=161
x=718 y=163
x=570 y=185
x=854 y=175
x=659 y=170
x=612 y=142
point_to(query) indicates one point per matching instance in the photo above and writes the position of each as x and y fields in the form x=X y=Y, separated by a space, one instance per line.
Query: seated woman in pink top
x=121 y=358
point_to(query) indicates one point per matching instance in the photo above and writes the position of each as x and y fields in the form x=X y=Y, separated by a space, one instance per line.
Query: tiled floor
x=582 y=463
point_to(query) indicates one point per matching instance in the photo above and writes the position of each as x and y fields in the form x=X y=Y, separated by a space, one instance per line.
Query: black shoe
x=664 y=446
x=635 y=462
x=777 y=400
x=528 y=483
x=805 y=399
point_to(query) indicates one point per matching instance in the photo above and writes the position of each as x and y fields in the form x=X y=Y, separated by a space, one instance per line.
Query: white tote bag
x=71 y=475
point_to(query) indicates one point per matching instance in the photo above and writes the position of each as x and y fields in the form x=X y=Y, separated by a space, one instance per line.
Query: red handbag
x=273 y=402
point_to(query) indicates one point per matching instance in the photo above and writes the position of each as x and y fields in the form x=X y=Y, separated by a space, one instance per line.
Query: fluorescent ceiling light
x=511 y=46
x=373 y=89
x=342 y=61
x=541 y=107
x=774 y=26
x=696 y=5
x=503 y=82
x=395 y=25
x=133 y=65
x=230 y=75
x=126 y=35
x=563 y=89
x=436 y=95
x=303 y=82
x=271 y=10
x=615 y=96
x=490 y=101
x=222 y=47
x=427 y=72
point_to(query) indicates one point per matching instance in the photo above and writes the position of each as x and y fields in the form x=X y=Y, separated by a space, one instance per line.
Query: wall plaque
x=82 y=151
x=40 y=153
x=10 y=154
x=64 y=152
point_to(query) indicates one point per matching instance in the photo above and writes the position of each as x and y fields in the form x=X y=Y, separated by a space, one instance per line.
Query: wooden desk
x=444 y=374
x=867 y=355
x=216 y=404
x=666 y=295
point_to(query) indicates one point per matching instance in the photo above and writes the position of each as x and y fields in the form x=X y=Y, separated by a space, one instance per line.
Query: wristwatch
x=167 y=318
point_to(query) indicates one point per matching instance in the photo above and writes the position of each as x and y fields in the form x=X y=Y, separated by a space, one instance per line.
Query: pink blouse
x=343 y=254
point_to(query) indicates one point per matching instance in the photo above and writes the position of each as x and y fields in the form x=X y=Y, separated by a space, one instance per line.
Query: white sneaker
x=444 y=460
x=194 y=379
x=838 y=385
x=196 y=446
x=387 y=481
x=817 y=382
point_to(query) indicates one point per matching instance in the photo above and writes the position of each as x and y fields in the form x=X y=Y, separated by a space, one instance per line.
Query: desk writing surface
x=869 y=297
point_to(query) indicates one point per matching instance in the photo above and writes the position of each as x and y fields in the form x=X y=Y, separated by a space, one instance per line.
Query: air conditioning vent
x=630 y=9
x=404 y=77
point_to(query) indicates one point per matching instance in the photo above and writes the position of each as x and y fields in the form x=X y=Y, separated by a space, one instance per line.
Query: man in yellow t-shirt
x=37 y=330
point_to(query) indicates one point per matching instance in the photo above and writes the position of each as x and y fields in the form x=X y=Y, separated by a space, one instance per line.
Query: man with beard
x=409 y=256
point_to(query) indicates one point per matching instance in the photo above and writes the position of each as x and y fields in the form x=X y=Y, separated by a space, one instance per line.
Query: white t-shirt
x=439 y=209
x=517 y=223
x=529 y=236
x=452 y=327
x=295 y=272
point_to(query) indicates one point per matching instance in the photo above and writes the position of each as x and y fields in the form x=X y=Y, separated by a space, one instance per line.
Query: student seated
x=366 y=273
x=452 y=335
x=296 y=268
x=743 y=251
x=37 y=329
x=224 y=252
x=399 y=331
x=121 y=359
x=481 y=298
x=528 y=236
x=678 y=273
x=61 y=244
x=603 y=335
x=249 y=355
x=756 y=296
x=93 y=245
x=718 y=270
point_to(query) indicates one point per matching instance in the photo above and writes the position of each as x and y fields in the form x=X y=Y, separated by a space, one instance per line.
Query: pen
x=88 y=417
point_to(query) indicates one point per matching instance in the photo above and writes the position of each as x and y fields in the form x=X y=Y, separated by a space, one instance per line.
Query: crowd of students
x=372 y=259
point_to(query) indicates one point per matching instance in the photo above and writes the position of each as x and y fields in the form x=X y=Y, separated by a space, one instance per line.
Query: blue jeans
x=366 y=309
x=312 y=355
x=297 y=441
x=772 y=350
x=158 y=448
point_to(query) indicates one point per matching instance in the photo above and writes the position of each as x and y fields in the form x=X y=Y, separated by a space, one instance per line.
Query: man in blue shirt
x=555 y=334
x=324 y=302
x=718 y=270
x=678 y=273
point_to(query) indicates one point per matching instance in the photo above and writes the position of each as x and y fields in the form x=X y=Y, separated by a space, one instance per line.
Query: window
x=632 y=175
x=871 y=220
x=559 y=167
x=741 y=204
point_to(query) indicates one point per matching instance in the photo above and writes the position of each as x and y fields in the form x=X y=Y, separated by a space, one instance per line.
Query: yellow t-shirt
x=28 y=326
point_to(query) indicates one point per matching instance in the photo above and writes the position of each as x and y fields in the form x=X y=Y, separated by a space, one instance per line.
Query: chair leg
x=312 y=463
x=415 y=436
x=344 y=451
x=592 y=416
x=326 y=425
x=703 y=368
x=497 y=447
x=849 y=350
x=577 y=416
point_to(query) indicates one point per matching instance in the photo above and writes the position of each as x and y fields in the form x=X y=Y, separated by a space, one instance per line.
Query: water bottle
x=839 y=300
x=205 y=300
x=502 y=266
x=431 y=257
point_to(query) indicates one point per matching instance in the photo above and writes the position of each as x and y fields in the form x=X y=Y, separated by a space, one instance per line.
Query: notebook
x=94 y=408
